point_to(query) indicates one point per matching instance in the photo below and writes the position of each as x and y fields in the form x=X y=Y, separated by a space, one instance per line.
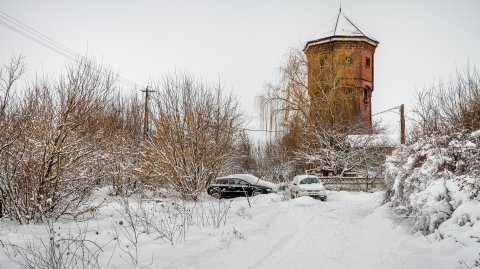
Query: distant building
x=344 y=38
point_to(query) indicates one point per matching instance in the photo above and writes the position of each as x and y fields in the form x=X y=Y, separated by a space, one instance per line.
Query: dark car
x=239 y=185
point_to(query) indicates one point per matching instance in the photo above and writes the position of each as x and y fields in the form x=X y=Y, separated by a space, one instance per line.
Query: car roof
x=251 y=179
x=248 y=178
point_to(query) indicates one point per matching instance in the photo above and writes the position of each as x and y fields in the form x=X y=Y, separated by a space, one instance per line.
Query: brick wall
x=361 y=76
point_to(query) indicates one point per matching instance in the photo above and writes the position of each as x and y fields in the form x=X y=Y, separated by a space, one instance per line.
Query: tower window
x=366 y=96
x=367 y=62
x=322 y=62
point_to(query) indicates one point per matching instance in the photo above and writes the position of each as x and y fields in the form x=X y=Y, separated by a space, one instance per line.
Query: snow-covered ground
x=349 y=230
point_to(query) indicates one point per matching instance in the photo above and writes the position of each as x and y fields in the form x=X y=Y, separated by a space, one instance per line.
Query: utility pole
x=402 y=120
x=146 y=112
x=402 y=124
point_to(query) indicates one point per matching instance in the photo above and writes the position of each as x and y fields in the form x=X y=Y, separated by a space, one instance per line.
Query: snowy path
x=346 y=231
x=316 y=233
x=343 y=232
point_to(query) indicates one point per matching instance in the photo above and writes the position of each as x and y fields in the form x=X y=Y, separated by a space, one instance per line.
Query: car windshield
x=310 y=180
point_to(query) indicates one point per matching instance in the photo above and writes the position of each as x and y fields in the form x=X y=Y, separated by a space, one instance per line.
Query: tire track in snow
x=325 y=234
x=292 y=234
x=284 y=252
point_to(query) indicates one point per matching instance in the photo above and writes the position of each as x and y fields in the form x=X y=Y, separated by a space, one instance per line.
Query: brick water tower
x=354 y=49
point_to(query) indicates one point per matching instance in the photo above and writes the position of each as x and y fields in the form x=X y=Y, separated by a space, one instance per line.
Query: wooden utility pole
x=146 y=112
x=402 y=124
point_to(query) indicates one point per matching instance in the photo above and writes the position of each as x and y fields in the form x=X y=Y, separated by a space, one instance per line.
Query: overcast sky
x=243 y=42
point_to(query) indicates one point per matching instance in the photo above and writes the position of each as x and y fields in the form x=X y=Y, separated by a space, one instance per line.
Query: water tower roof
x=343 y=29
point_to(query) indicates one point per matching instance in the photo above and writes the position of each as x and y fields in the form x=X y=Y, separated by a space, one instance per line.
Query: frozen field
x=346 y=231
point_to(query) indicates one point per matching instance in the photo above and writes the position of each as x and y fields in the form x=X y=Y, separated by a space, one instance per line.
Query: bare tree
x=242 y=159
x=271 y=161
x=9 y=74
x=121 y=125
x=195 y=125
x=288 y=98
x=327 y=98
x=50 y=170
x=9 y=127
x=449 y=107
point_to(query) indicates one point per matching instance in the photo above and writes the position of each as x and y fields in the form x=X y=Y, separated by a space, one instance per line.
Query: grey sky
x=243 y=42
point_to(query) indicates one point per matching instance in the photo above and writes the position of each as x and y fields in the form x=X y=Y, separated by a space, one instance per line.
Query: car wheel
x=323 y=199
x=255 y=193
x=216 y=194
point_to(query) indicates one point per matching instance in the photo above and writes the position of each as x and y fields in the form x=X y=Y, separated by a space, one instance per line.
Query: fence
x=352 y=183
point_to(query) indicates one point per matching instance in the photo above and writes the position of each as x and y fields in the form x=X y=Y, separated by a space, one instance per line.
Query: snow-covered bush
x=70 y=250
x=212 y=214
x=340 y=150
x=169 y=221
x=429 y=180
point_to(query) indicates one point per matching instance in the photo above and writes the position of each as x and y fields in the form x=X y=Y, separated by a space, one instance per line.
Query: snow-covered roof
x=342 y=28
x=252 y=180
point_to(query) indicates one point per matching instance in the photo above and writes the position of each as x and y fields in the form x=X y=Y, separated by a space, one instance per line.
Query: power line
x=393 y=111
x=407 y=117
x=34 y=35
x=390 y=109
x=34 y=39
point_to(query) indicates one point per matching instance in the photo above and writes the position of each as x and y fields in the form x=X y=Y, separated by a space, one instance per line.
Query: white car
x=307 y=185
